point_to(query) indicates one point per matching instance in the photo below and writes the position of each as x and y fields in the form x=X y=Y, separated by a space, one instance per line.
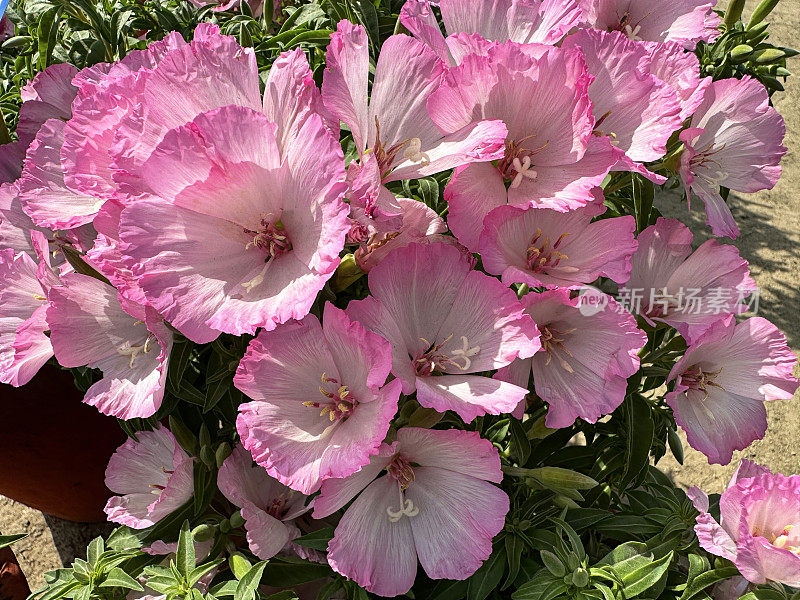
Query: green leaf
x=627 y=558
x=704 y=580
x=83 y=593
x=48 y=27
x=487 y=577
x=201 y=570
x=283 y=595
x=316 y=540
x=520 y=444
x=7 y=540
x=224 y=589
x=645 y=577
x=543 y=586
x=287 y=572
x=446 y=589
x=239 y=565
x=248 y=584
x=94 y=550
x=184 y=557
x=639 y=438
x=119 y=578
x=643 y=194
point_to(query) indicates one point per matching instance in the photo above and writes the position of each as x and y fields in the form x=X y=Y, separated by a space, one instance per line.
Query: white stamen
x=408 y=509
x=414 y=152
x=523 y=169
x=465 y=352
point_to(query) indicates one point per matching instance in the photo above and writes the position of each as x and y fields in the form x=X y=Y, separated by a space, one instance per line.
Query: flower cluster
x=165 y=198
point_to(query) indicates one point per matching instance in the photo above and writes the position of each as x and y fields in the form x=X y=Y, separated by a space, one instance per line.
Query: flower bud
x=237 y=520
x=762 y=11
x=203 y=532
x=580 y=578
x=768 y=55
x=223 y=452
x=734 y=13
x=741 y=52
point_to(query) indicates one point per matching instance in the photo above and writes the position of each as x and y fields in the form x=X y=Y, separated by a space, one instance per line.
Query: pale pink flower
x=419 y=224
x=268 y=507
x=723 y=380
x=107 y=94
x=544 y=247
x=552 y=159
x=90 y=325
x=588 y=353
x=734 y=141
x=320 y=407
x=24 y=283
x=394 y=124
x=435 y=503
x=154 y=477
x=688 y=290
x=447 y=322
x=523 y=21
x=682 y=21
x=256 y=260
x=49 y=95
x=638 y=111
x=212 y=71
x=759 y=526
x=676 y=67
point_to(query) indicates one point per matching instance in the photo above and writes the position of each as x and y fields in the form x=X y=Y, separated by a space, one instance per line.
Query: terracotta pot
x=54 y=449
x=13 y=585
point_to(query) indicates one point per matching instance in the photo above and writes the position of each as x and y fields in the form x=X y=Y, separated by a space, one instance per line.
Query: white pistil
x=255 y=281
x=133 y=351
x=633 y=33
x=414 y=152
x=464 y=353
x=407 y=508
x=523 y=169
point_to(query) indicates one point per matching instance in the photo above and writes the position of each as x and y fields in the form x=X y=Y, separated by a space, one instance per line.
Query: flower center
x=696 y=379
x=782 y=540
x=278 y=507
x=134 y=350
x=386 y=155
x=401 y=471
x=517 y=164
x=627 y=27
x=703 y=159
x=553 y=345
x=272 y=239
x=435 y=360
x=158 y=488
x=540 y=256
x=340 y=402
x=600 y=132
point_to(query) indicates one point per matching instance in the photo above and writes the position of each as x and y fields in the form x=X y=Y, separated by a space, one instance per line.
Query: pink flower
x=688 y=290
x=631 y=106
x=24 y=345
x=523 y=21
x=212 y=71
x=552 y=159
x=723 y=380
x=445 y=322
x=544 y=247
x=682 y=21
x=434 y=503
x=48 y=96
x=734 y=141
x=268 y=507
x=320 y=407
x=257 y=260
x=680 y=69
x=154 y=475
x=758 y=530
x=218 y=5
x=419 y=224
x=91 y=325
x=395 y=125
x=588 y=354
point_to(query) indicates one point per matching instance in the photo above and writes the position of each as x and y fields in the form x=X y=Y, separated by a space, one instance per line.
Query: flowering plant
x=374 y=286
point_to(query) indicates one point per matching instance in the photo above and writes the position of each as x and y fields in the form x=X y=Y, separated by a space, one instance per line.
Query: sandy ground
x=770 y=224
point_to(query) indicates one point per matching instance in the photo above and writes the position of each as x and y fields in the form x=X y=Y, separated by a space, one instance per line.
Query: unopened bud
x=237 y=520
x=203 y=532
x=580 y=578
x=768 y=55
x=762 y=12
x=223 y=452
x=741 y=52
x=553 y=563
x=734 y=13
